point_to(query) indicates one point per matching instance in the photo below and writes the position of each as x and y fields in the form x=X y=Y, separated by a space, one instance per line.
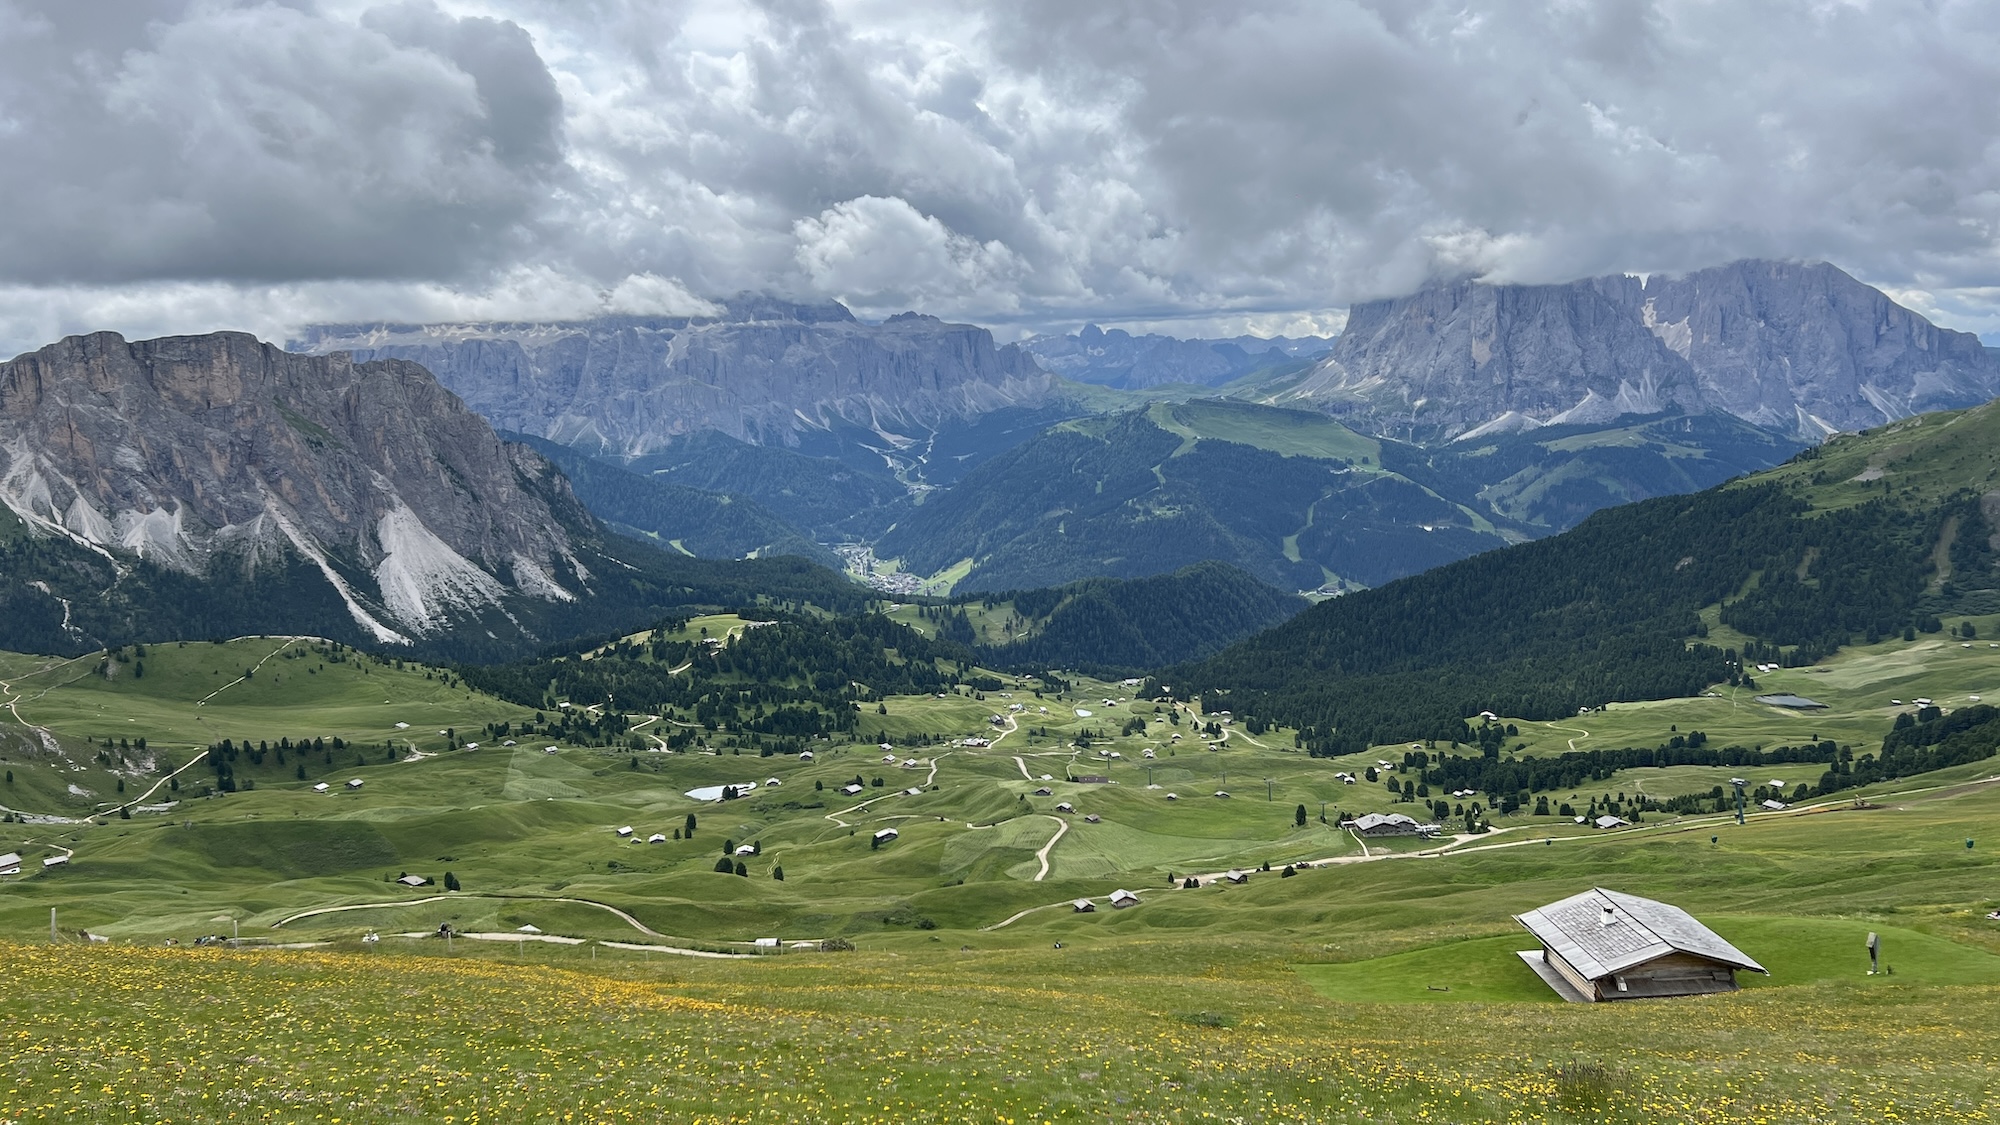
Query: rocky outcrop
x=1799 y=348
x=203 y=452
x=765 y=372
x=1119 y=359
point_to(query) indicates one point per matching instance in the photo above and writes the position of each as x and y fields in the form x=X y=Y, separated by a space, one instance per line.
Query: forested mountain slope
x=1294 y=497
x=710 y=525
x=815 y=494
x=1291 y=497
x=1870 y=534
x=1108 y=625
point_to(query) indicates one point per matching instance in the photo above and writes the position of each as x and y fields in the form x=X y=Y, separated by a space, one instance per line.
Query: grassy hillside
x=1291 y=497
x=523 y=823
x=1553 y=477
x=1289 y=993
x=1878 y=535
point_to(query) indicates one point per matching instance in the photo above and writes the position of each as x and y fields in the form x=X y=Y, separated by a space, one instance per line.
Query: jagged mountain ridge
x=196 y=452
x=215 y=486
x=1799 y=348
x=765 y=372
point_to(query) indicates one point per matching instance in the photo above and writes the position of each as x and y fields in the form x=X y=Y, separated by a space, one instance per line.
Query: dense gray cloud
x=265 y=143
x=185 y=164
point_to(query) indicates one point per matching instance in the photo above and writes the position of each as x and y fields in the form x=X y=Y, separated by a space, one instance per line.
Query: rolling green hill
x=1869 y=536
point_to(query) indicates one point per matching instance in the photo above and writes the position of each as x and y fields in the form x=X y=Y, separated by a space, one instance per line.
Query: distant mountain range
x=1797 y=348
x=1118 y=359
x=1491 y=413
x=766 y=372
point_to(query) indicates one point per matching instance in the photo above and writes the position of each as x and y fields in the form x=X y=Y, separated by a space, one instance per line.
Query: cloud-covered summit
x=179 y=165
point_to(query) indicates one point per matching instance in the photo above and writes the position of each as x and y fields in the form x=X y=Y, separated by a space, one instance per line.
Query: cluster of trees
x=1604 y=612
x=952 y=623
x=1929 y=740
x=794 y=678
x=306 y=758
x=1570 y=771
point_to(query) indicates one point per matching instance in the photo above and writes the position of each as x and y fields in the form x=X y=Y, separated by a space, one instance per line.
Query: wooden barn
x=1603 y=945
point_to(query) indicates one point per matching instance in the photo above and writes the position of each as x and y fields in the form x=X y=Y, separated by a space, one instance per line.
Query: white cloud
x=1034 y=163
x=881 y=255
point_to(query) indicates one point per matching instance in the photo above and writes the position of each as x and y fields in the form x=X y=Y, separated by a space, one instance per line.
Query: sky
x=1187 y=166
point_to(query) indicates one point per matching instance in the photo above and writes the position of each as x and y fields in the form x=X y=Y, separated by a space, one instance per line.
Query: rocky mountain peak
x=203 y=452
x=1797 y=347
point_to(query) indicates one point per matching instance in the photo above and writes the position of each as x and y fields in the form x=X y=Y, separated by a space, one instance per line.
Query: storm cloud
x=180 y=165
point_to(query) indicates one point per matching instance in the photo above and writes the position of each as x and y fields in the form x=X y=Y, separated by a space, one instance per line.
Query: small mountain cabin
x=1604 y=945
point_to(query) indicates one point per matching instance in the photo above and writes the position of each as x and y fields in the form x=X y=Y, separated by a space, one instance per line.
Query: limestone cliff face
x=200 y=452
x=1800 y=348
x=765 y=372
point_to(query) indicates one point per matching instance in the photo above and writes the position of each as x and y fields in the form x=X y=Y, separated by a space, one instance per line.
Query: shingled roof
x=1639 y=930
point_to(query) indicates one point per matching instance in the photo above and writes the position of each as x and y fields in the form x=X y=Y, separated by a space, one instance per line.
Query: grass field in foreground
x=1169 y=1031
